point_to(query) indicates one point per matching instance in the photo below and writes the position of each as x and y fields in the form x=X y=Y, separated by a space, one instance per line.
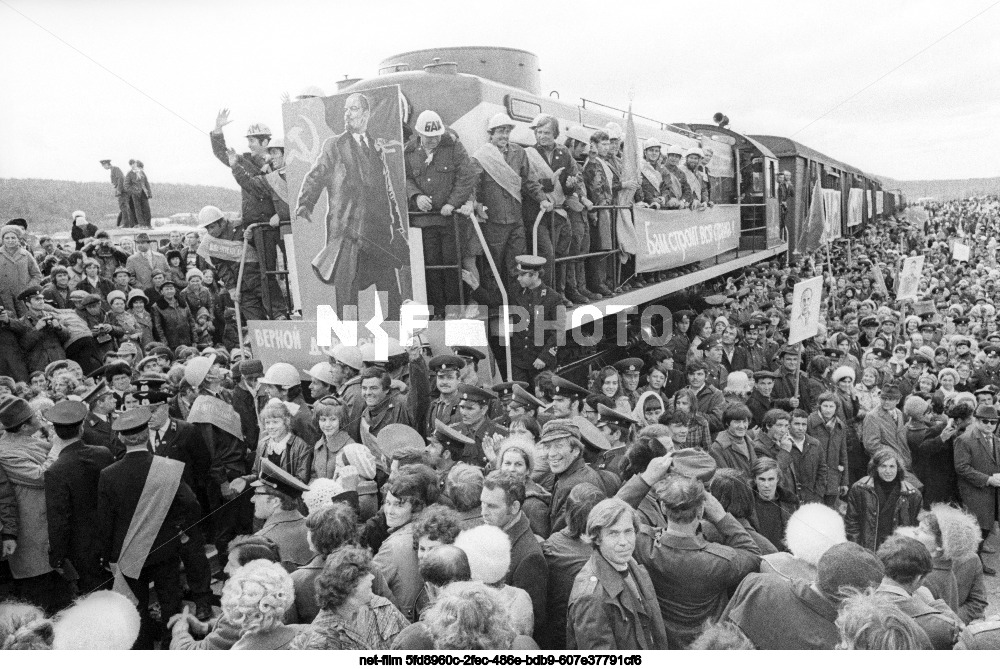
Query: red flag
x=628 y=239
x=810 y=235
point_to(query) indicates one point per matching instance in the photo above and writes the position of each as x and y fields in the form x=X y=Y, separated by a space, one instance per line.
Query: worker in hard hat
x=615 y=137
x=559 y=177
x=651 y=184
x=678 y=192
x=706 y=159
x=578 y=144
x=439 y=182
x=602 y=186
x=692 y=161
x=258 y=207
x=365 y=232
x=503 y=181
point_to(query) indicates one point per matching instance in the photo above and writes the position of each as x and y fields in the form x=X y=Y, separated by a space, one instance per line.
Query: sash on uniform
x=653 y=175
x=694 y=182
x=278 y=185
x=493 y=162
x=540 y=169
x=162 y=482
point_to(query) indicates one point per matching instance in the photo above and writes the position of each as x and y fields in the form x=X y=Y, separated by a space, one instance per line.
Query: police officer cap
x=469 y=353
x=475 y=393
x=564 y=388
x=960 y=320
x=986 y=390
x=596 y=400
x=273 y=478
x=610 y=416
x=629 y=365
x=682 y=314
x=521 y=397
x=991 y=348
x=987 y=412
x=96 y=393
x=28 y=293
x=446 y=433
x=505 y=390
x=889 y=318
x=132 y=421
x=928 y=326
x=529 y=263
x=66 y=412
x=961 y=341
x=709 y=343
x=920 y=358
x=591 y=435
x=764 y=374
x=882 y=353
x=869 y=322
x=446 y=363
x=151 y=397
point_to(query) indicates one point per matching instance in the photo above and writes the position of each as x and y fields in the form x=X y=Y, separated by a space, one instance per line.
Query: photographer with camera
x=40 y=332
x=106 y=254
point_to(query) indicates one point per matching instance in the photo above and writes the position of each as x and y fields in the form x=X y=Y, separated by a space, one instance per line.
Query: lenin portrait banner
x=347 y=184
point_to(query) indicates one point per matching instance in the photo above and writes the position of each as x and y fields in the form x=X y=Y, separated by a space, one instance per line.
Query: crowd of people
x=722 y=490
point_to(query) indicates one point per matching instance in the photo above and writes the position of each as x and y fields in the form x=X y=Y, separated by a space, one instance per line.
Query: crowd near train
x=717 y=488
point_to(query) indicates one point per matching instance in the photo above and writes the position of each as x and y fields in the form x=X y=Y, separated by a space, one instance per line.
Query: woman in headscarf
x=18 y=269
x=648 y=408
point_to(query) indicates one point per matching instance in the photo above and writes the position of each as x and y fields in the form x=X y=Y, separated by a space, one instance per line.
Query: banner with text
x=855 y=207
x=669 y=239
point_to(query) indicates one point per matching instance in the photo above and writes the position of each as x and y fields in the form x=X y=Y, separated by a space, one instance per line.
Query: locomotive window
x=522 y=110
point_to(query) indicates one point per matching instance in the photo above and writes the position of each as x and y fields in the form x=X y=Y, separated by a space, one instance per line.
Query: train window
x=770 y=179
x=522 y=110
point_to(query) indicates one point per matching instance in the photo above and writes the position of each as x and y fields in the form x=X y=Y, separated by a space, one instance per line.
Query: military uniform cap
x=960 y=320
x=505 y=390
x=446 y=363
x=991 y=348
x=447 y=433
x=29 y=292
x=529 y=263
x=715 y=300
x=521 y=397
x=629 y=365
x=709 y=343
x=469 y=353
x=132 y=421
x=113 y=369
x=765 y=374
x=832 y=352
x=788 y=350
x=680 y=315
x=927 y=325
x=889 y=318
x=869 y=322
x=591 y=435
x=393 y=437
x=595 y=400
x=961 y=341
x=883 y=353
x=66 y=412
x=564 y=388
x=611 y=416
x=96 y=392
x=273 y=478
x=475 y=393
x=151 y=397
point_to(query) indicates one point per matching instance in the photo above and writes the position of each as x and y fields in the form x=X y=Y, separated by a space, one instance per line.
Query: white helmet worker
x=694 y=152
x=651 y=143
x=614 y=130
x=322 y=372
x=196 y=369
x=429 y=124
x=674 y=150
x=209 y=215
x=579 y=133
x=258 y=130
x=281 y=374
x=277 y=143
x=349 y=356
x=498 y=121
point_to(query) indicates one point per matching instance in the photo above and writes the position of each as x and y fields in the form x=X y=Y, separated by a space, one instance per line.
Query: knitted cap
x=848 y=565
x=915 y=407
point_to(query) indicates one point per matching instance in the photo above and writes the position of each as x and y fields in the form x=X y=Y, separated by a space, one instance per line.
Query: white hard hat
x=542 y=119
x=196 y=369
x=277 y=143
x=79 y=214
x=209 y=215
x=347 y=355
x=651 y=143
x=694 y=152
x=429 y=124
x=499 y=120
x=258 y=130
x=311 y=92
x=323 y=372
x=614 y=130
x=674 y=149
x=579 y=133
x=281 y=374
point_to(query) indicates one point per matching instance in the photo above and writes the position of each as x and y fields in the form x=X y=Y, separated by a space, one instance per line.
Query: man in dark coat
x=560 y=444
x=97 y=426
x=71 y=498
x=784 y=393
x=167 y=506
x=118 y=184
x=474 y=405
x=365 y=235
x=535 y=344
x=501 y=498
x=439 y=180
x=977 y=462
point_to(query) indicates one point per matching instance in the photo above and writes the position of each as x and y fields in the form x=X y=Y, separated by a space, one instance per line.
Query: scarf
x=540 y=169
x=503 y=174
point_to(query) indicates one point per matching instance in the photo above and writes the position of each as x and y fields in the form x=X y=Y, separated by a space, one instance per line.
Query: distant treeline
x=945 y=189
x=47 y=204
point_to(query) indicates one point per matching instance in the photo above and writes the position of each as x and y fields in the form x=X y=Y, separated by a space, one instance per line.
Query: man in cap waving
x=439 y=181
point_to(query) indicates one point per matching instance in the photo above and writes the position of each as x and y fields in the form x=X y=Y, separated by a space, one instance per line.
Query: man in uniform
x=71 y=498
x=630 y=370
x=617 y=427
x=474 y=403
x=679 y=341
x=523 y=403
x=535 y=340
x=276 y=497
x=439 y=181
x=97 y=426
x=989 y=373
x=118 y=183
x=715 y=373
x=143 y=509
x=445 y=447
x=505 y=395
x=446 y=369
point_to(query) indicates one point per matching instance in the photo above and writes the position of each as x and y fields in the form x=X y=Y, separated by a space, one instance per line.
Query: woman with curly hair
x=608 y=382
x=255 y=599
x=342 y=591
x=471 y=616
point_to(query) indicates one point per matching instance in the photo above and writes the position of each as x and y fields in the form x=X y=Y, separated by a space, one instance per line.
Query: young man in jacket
x=831 y=433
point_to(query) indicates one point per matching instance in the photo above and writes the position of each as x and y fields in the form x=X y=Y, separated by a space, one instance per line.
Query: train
x=468 y=85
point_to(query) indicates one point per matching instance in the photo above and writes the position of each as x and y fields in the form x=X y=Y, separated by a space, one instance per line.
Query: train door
x=755 y=184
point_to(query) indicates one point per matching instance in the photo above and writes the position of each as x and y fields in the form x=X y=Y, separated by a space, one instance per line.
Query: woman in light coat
x=18 y=269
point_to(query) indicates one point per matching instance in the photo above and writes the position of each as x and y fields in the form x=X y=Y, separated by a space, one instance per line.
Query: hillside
x=48 y=204
x=944 y=189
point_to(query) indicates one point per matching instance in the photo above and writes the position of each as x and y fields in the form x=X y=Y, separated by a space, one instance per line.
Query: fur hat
x=843 y=373
x=102 y=620
x=812 y=530
x=488 y=550
x=915 y=407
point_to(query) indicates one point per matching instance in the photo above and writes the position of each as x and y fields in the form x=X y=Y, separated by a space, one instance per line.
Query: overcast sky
x=772 y=66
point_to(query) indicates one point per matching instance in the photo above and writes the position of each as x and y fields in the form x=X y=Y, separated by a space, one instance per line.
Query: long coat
x=975 y=460
x=528 y=569
x=18 y=271
x=173 y=325
x=397 y=560
x=71 y=501
x=565 y=557
x=22 y=463
x=604 y=615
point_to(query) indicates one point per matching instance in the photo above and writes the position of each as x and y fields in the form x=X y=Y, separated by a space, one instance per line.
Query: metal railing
x=456 y=225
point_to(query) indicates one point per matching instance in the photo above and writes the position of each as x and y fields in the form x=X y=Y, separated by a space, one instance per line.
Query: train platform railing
x=456 y=224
